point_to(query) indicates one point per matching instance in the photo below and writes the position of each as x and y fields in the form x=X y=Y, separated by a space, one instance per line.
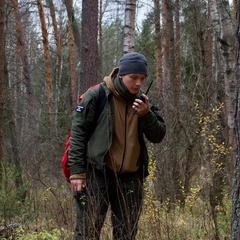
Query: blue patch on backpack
x=79 y=109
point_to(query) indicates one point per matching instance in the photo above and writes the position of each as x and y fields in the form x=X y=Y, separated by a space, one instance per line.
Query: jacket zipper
x=125 y=138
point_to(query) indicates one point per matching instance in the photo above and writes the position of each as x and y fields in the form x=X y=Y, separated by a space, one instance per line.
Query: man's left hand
x=140 y=107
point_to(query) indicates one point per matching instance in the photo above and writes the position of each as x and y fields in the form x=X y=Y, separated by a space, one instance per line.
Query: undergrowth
x=49 y=213
x=44 y=219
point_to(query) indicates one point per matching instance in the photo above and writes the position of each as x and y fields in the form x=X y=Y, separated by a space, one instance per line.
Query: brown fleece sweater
x=123 y=155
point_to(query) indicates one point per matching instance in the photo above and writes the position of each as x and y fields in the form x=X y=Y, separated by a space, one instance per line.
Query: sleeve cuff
x=78 y=176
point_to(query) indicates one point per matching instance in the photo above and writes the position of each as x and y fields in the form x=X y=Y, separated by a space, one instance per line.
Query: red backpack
x=100 y=105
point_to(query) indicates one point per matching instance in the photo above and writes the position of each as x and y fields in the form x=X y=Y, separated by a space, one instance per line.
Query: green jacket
x=90 y=142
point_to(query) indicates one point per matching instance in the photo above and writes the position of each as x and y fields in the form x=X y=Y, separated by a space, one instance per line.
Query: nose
x=139 y=82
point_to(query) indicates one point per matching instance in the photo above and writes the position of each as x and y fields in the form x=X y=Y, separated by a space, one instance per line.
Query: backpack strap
x=102 y=99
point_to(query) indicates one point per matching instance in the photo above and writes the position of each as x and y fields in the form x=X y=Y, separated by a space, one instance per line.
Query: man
x=109 y=156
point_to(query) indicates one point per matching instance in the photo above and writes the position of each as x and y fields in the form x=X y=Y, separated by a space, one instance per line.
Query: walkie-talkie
x=141 y=97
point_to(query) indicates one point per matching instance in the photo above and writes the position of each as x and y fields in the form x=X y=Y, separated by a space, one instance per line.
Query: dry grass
x=49 y=213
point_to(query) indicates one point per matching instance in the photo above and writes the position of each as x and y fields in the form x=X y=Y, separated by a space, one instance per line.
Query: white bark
x=224 y=34
x=129 y=28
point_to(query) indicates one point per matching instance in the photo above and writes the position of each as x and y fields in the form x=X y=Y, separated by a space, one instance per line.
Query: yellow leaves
x=191 y=198
x=217 y=148
x=149 y=199
x=207 y=119
x=210 y=131
x=195 y=190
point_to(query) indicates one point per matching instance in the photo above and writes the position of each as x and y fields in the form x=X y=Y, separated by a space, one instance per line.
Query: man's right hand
x=78 y=184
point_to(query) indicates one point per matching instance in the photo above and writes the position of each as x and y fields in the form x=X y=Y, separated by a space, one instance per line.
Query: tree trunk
x=89 y=47
x=234 y=11
x=166 y=171
x=100 y=33
x=223 y=31
x=224 y=46
x=57 y=38
x=129 y=27
x=228 y=57
x=72 y=63
x=177 y=69
x=171 y=93
x=30 y=123
x=22 y=55
x=58 y=42
x=210 y=51
x=166 y=49
x=235 y=221
x=16 y=160
x=48 y=69
x=223 y=34
x=158 y=50
x=22 y=50
x=174 y=77
x=76 y=33
x=2 y=62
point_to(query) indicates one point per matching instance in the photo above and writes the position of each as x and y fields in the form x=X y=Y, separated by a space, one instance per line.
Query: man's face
x=133 y=82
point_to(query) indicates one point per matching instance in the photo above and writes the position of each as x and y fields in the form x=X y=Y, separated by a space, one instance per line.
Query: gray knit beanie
x=133 y=62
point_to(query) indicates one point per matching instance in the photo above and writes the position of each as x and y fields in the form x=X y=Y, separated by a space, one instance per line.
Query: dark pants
x=122 y=192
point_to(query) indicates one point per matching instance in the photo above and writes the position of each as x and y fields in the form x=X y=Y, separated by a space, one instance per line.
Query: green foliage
x=54 y=234
x=145 y=43
x=10 y=197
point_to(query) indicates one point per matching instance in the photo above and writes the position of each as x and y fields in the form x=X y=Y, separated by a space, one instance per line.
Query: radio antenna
x=149 y=87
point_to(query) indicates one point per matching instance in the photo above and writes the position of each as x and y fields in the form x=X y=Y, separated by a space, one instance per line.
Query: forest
x=53 y=51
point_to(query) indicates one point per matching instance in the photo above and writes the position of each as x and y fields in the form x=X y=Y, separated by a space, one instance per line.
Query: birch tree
x=228 y=58
x=223 y=32
x=129 y=26
x=224 y=74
